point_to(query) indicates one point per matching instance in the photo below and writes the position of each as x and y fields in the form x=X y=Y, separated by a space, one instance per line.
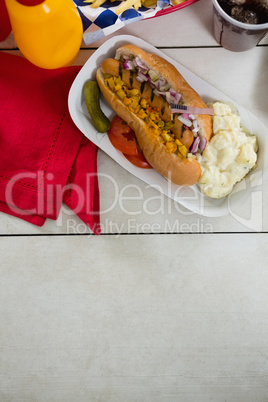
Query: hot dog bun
x=174 y=167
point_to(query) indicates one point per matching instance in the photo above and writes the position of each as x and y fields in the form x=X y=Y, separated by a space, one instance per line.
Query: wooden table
x=165 y=305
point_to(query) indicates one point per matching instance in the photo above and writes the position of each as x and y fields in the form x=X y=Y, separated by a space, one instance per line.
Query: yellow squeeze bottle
x=48 y=32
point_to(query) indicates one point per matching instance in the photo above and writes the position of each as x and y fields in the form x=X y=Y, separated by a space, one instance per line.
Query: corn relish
x=150 y=115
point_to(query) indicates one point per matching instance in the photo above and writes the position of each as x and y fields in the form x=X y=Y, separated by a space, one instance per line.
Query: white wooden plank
x=114 y=319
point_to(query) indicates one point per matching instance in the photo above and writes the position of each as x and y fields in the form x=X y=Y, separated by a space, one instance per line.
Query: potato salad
x=230 y=154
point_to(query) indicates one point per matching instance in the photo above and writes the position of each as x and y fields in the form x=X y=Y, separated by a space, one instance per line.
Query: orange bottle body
x=48 y=34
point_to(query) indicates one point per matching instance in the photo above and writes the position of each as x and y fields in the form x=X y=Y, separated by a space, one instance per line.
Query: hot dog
x=140 y=87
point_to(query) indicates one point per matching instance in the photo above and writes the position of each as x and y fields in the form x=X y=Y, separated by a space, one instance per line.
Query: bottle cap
x=30 y=2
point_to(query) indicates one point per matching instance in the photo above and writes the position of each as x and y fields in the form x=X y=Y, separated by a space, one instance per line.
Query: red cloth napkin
x=44 y=159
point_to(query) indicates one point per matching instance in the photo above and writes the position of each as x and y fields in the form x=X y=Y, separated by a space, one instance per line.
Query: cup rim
x=243 y=25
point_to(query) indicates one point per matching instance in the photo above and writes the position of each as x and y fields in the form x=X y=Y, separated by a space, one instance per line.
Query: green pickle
x=92 y=98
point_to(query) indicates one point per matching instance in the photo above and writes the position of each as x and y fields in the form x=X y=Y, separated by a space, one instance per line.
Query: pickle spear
x=92 y=98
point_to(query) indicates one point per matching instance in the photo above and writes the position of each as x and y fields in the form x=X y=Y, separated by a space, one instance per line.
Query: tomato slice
x=122 y=137
x=139 y=161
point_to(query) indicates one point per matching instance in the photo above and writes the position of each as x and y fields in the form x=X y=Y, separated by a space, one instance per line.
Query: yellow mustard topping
x=150 y=115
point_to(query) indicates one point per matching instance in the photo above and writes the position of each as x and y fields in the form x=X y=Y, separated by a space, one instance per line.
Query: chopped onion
x=172 y=92
x=196 y=126
x=163 y=85
x=139 y=63
x=187 y=122
x=178 y=98
x=128 y=65
x=203 y=143
x=168 y=98
x=150 y=80
x=174 y=97
x=194 y=146
x=157 y=82
x=141 y=77
x=186 y=116
x=157 y=93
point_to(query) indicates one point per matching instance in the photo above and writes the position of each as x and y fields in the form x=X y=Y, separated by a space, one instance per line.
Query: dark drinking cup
x=238 y=26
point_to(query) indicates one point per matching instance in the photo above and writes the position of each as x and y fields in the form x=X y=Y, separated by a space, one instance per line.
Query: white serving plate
x=189 y=197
